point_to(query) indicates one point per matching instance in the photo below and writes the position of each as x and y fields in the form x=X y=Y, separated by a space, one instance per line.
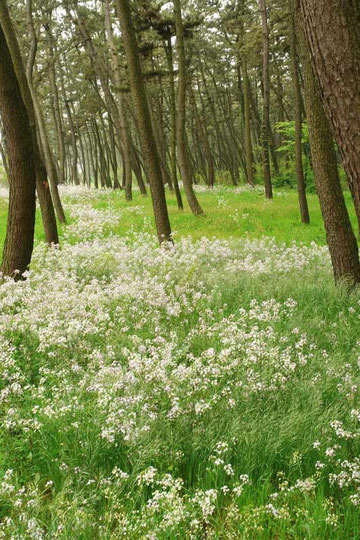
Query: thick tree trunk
x=340 y=236
x=181 y=118
x=266 y=104
x=42 y=186
x=333 y=33
x=146 y=135
x=22 y=173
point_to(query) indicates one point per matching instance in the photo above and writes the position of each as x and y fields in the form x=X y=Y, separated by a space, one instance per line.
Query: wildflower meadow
x=207 y=390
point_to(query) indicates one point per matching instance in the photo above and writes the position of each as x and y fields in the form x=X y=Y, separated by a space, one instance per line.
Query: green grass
x=226 y=215
x=235 y=215
x=93 y=314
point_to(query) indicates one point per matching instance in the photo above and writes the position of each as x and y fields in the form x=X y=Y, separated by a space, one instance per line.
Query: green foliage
x=287 y=177
x=287 y=129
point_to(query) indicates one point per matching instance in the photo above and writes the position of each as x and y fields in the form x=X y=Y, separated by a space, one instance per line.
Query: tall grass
x=211 y=391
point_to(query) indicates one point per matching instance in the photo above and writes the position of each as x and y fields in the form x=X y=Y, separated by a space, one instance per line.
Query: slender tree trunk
x=181 y=119
x=57 y=110
x=144 y=122
x=333 y=33
x=74 y=162
x=210 y=179
x=247 y=125
x=113 y=156
x=120 y=104
x=49 y=159
x=22 y=172
x=266 y=105
x=304 y=210
x=341 y=240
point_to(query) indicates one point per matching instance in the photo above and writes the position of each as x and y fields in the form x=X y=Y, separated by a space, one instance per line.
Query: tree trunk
x=340 y=236
x=120 y=104
x=266 y=104
x=181 y=119
x=74 y=162
x=210 y=179
x=247 y=127
x=333 y=33
x=49 y=159
x=146 y=135
x=42 y=186
x=304 y=210
x=57 y=110
x=22 y=172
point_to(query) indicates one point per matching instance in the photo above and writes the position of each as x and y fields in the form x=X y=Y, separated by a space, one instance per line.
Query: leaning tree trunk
x=181 y=119
x=49 y=159
x=42 y=186
x=339 y=233
x=266 y=105
x=147 y=140
x=333 y=32
x=304 y=210
x=22 y=173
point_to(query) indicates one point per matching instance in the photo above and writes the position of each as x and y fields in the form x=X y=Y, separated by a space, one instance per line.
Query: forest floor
x=206 y=391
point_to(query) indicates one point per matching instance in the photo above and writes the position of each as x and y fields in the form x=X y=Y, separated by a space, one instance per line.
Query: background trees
x=201 y=92
x=80 y=79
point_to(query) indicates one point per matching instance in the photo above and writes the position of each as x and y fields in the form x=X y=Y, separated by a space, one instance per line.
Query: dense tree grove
x=202 y=91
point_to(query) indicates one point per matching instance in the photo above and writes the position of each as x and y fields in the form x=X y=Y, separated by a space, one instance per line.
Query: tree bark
x=42 y=186
x=57 y=111
x=181 y=119
x=301 y=187
x=247 y=128
x=49 y=159
x=22 y=172
x=333 y=33
x=120 y=104
x=146 y=135
x=266 y=104
x=341 y=240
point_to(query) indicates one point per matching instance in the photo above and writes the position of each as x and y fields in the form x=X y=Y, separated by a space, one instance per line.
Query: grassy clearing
x=230 y=214
x=206 y=392
x=227 y=214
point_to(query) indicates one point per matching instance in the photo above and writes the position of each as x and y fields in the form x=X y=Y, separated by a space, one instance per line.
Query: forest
x=180 y=272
